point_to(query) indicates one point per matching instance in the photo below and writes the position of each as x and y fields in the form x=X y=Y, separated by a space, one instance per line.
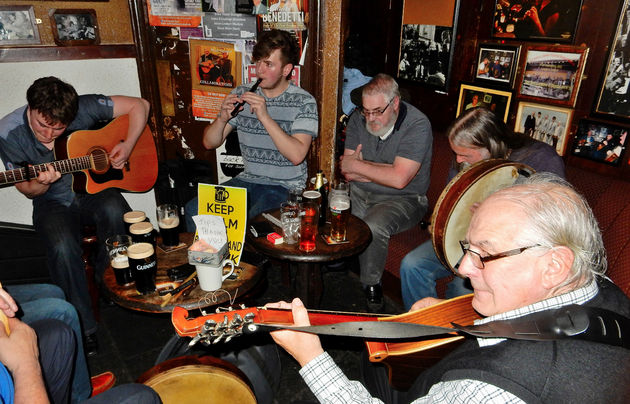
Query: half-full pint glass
x=309 y=214
x=117 y=251
x=143 y=264
x=168 y=221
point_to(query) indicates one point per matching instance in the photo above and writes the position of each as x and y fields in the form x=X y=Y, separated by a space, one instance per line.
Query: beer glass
x=135 y=216
x=143 y=264
x=339 y=213
x=117 y=252
x=142 y=232
x=290 y=218
x=309 y=215
x=168 y=221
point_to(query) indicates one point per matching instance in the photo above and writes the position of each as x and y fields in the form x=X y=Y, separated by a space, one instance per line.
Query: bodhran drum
x=452 y=214
x=198 y=379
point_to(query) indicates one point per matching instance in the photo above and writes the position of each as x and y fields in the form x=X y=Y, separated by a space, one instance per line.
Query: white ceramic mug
x=211 y=276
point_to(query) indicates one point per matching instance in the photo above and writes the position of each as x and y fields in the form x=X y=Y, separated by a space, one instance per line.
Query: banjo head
x=452 y=215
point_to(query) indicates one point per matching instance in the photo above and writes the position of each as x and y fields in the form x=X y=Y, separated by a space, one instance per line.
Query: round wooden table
x=308 y=277
x=246 y=278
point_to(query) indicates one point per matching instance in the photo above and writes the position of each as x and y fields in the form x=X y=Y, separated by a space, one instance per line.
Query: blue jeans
x=418 y=272
x=60 y=228
x=385 y=215
x=260 y=197
x=43 y=301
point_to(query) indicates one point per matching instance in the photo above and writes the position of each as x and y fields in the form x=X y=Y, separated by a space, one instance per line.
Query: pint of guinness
x=142 y=232
x=168 y=221
x=135 y=216
x=143 y=265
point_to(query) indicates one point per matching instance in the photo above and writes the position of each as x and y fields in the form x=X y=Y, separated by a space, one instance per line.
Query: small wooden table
x=127 y=296
x=308 y=278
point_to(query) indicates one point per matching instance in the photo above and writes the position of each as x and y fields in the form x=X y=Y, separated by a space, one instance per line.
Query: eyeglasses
x=377 y=112
x=478 y=261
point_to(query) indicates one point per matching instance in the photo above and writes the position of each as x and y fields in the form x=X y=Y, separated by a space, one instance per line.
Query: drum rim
x=439 y=224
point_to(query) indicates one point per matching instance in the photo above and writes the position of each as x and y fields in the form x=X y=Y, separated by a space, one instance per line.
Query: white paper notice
x=211 y=229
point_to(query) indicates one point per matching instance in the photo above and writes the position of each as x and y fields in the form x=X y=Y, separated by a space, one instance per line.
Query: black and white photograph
x=543 y=20
x=497 y=64
x=600 y=141
x=613 y=98
x=553 y=75
x=547 y=123
x=425 y=54
x=74 y=27
x=18 y=26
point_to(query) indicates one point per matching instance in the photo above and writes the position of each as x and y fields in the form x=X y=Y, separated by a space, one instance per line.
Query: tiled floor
x=130 y=342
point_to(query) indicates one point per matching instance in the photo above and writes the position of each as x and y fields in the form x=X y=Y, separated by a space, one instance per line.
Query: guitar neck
x=30 y=172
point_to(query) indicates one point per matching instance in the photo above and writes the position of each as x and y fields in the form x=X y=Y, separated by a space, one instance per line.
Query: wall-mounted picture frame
x=472 y=96
x=18 y=26
x=600 y=141
x=547 y=123
x=497 y=64
x=536 y=20
x=74 y=27
x=427 y=40
x=612 y=98
x=552 y=74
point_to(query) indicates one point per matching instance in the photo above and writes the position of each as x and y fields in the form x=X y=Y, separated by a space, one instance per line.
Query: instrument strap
x=572 y=321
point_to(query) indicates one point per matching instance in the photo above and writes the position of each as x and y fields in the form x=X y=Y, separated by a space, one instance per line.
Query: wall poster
x=427 y=41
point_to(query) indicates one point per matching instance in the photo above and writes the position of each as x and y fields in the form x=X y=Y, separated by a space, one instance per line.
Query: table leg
x=309 y=284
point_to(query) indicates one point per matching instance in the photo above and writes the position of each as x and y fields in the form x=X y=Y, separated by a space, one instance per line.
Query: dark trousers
x=60 y=228
x=57 y=347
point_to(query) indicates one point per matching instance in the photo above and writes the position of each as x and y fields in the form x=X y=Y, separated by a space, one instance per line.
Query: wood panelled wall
x=380 y=24
x=112 y=17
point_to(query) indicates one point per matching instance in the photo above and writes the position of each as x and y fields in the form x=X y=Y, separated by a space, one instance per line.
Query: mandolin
x=405 y=360
x=85 y=154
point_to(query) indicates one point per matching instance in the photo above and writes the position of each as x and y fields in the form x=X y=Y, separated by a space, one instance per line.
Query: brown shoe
x=102 y=382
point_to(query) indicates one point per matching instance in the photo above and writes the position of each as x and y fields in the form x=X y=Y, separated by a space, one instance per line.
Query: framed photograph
x=427 y=41
x=612 y=97
x=536 y=20
x=74 y=27
x=471 y=96
x=553 y=74
x=497 y=64
x=600 y=141
x=18 y=26
x=549 y=124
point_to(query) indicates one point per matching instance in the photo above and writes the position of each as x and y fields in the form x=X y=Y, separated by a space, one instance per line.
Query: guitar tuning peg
x=194 y=340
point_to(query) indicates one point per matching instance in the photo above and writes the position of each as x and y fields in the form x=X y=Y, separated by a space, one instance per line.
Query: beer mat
x=330 y=241
x=168 y=249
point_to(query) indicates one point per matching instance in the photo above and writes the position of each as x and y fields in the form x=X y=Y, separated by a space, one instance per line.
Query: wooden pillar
x=328 y=37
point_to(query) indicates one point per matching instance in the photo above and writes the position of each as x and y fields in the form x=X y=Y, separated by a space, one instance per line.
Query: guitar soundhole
x=100 y=159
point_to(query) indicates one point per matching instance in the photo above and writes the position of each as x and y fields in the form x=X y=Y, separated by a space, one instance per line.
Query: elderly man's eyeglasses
x=478 y=261
x=377 y=112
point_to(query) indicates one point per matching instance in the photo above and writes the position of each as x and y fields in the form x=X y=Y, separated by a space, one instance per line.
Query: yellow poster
x=231 y=204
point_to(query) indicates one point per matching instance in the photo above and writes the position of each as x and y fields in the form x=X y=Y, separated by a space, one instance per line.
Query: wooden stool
x=89 y=245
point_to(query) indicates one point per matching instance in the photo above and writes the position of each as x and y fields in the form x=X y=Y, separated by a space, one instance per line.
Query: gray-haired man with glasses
x=387 y=160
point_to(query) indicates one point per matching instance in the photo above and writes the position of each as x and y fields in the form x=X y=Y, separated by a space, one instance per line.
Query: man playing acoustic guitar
x=529 y=248
x=27 y=137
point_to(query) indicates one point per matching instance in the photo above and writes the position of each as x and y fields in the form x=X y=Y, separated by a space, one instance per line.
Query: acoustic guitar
x=85 y=154
x=405 y=360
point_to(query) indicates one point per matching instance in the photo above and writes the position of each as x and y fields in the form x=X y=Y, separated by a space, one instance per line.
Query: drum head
x=452 y=213
x=194 y=380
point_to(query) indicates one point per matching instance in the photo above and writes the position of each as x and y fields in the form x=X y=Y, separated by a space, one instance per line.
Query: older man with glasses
x=387 y=160
x=530 y=248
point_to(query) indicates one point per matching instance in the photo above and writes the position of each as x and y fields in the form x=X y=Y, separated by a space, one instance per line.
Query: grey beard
x=380 y=132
